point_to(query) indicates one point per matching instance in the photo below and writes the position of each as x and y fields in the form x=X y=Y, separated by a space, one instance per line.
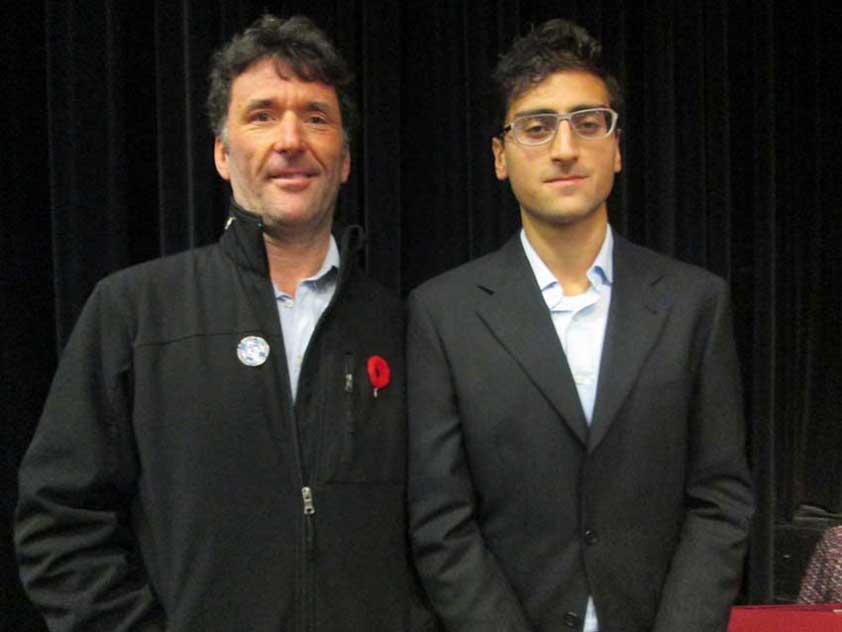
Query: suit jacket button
x=590 y=537
x=572 y=620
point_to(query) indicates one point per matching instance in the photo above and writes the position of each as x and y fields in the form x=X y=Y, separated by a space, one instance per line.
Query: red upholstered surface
x=789 y=618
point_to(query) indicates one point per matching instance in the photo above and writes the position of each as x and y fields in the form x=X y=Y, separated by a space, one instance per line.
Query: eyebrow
x=577 y=108
x=317 y=106
x=257 y=104
x=321 y=106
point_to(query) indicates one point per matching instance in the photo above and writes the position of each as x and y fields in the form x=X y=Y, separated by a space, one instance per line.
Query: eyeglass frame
x=559 y=118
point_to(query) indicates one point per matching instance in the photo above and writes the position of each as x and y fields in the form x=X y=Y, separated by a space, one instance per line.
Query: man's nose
x=290 y=137
x=565 y=145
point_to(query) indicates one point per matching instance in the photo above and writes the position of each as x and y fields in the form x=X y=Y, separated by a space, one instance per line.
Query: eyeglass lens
x=533 y=130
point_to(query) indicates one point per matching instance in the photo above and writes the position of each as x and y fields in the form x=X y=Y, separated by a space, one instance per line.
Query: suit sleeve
x=706 y=569
x=76 y=551
x=463 y=580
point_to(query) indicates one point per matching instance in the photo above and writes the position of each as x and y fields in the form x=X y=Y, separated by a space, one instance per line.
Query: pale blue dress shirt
x=299 y=314
x=580 y=322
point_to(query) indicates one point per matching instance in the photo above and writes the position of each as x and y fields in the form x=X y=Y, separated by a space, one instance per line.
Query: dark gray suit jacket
x=519 y=510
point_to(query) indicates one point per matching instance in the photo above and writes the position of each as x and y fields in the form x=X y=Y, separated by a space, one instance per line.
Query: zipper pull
x=307 y=495
x=309 y=523
x=349 y=373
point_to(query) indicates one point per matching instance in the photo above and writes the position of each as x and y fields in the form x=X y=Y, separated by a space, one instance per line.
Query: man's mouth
x=292 y=174
x=566 y=179
x=293 y=178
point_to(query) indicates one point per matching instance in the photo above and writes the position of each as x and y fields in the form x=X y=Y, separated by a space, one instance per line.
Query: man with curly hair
x=576 y=431
x=224 y=444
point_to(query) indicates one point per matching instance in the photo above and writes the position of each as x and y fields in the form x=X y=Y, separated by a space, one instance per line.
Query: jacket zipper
x=308 y=604
x=310 y=527
x=309 y=600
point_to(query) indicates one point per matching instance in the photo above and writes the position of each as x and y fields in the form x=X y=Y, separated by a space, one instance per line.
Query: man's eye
x=590 y=123
x=316 y=119
x=535 y=127
x=261 y=117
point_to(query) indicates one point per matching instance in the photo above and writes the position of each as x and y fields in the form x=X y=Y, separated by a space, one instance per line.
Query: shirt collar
x=326 y=273
x=331 y=261
x=600 y=272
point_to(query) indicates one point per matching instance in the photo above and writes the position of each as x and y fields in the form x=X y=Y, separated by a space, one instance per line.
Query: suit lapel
x=518 y=317
x=636 y=316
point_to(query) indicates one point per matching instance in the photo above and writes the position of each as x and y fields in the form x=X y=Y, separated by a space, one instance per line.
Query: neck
x=293 y=259
x=568 y=250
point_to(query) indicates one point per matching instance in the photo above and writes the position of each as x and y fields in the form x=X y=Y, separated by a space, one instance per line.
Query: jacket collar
x=515 y=312
x=243 y=242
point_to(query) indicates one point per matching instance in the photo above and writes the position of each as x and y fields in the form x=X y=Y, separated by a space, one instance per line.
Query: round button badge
x=253 y=350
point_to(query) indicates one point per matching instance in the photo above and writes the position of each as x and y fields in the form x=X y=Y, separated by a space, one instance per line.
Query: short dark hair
x=296 y=41
x=554 y=46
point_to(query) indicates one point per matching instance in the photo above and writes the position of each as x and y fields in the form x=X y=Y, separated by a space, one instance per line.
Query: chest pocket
x=363 y=436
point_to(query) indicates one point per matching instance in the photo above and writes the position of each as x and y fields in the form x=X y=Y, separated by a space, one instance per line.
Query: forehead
x=562 y=92
x=270 y=79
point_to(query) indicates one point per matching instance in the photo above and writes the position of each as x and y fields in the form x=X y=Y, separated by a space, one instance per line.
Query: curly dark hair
x=554 y=46
x=296 y=41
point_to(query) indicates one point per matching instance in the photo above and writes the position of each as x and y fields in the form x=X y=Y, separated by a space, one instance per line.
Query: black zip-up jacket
x=170 y=486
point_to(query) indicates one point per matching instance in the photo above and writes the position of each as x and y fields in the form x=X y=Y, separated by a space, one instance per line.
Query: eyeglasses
x=538 y=129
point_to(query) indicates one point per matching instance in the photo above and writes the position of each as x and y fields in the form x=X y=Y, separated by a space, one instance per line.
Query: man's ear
x=498 y=149
x=220 y=158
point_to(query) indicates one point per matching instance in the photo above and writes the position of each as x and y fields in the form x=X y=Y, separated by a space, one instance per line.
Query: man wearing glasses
x=576 y=431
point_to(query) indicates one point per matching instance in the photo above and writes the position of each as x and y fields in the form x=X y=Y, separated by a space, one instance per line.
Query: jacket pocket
x=348 y=438
x=364 y=438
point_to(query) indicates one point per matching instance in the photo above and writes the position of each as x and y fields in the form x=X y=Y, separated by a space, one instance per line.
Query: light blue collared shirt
x=300 y=314
x=579 y=322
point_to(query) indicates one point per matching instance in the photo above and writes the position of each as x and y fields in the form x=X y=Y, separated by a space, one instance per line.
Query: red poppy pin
x=378 y=372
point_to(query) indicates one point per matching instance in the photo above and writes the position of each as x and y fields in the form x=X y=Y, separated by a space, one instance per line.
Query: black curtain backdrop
x=730 y=143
